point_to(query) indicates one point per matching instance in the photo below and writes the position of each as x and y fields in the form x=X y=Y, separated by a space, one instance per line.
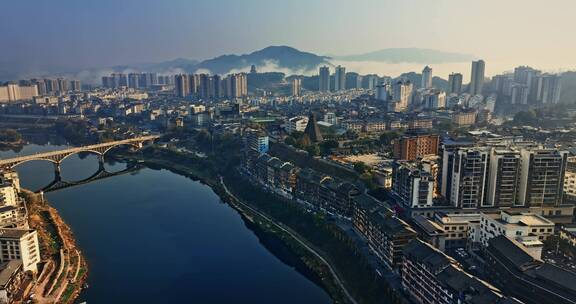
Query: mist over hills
x=277 y=61
x=411 y=55
x=282 y=57
x=273 y=58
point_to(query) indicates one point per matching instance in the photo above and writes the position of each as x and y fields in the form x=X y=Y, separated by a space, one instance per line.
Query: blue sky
x=89 y=33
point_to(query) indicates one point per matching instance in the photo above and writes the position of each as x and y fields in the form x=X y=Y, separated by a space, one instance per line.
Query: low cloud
x=272 y=66
x=203 y=71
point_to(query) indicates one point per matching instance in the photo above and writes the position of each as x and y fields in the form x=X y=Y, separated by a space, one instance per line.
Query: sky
x=72 y=34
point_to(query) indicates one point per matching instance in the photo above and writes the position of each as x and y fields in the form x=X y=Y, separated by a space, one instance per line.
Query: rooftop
x=8 y=269
x=13 y=233
x=429 y=227
x=513 y=252
x=515 y=218
x=453 y=218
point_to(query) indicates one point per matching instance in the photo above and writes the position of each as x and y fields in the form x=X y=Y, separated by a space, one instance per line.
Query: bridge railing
x=45 y=155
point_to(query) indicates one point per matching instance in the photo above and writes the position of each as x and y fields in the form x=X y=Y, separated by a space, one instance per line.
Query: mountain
x=411 y=55
x=279 y=57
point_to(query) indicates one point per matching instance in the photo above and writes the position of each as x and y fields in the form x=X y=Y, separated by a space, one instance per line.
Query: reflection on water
x=157 y=237
x=37 y=174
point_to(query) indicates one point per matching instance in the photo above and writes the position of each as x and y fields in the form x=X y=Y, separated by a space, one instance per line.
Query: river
x=156 y=237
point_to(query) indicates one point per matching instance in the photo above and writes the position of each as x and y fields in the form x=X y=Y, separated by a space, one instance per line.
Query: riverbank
x=321 y=245
x=194 y=168
x=14 y=145
x=64 y=268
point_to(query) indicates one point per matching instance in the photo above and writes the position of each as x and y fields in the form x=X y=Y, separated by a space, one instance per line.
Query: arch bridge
x=57 y=157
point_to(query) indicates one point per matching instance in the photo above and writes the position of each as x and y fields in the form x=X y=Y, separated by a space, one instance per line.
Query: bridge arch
x=78 y=152
x=33 y=159
x=134 y=145
x=56 y=157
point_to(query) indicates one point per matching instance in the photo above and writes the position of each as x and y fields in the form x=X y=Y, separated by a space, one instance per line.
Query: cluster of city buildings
x=528 y=86
x=479 y=195
x=340 y=80
x=212 y=87
x=497 y=197
x=143 y=80
x=415 y=248
x=29 y=89
x=19 y=246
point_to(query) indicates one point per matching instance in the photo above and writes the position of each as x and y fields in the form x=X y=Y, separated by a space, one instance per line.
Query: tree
x=10 y=135
x=386 y=138
x=446 y=126
x=526 y=118
x=351 y=134
x=290 y=141
x=327 y=145
x=313 y=150
x=360 y=167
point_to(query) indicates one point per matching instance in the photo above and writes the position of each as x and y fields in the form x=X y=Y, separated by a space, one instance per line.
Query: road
x=295 y=236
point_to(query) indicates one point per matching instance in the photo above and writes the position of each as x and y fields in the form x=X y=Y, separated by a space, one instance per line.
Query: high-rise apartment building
x=455 y=83
x=413 y=185
x=426 y=78
x=324 y=79
x=503 y=178
x=146 y=80
x=528 y=77
x=371 y=81
x=120 y=79
x=204 y=86
x=520 y=94
x=14 y=92
x=469 y=174
x=194 y=84
x=215 y=87
x=75 y=86
x=41 y=86
x=296 y=86
x=548 y=89
x=383 y=92
x=133 y=80
x=182 y=85
x=570 y=180
x=541 y=179
x=449 y=149
x=477 y=77
x=51 y=85
x=63 y=85
x=401 y=95
x=235 y=86
x=340 y=78
x=108 y=82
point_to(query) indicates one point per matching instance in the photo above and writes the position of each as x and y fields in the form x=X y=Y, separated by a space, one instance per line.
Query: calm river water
x=157 y=237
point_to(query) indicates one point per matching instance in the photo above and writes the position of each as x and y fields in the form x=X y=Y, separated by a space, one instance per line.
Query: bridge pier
x=101 y=162
x=57 y=175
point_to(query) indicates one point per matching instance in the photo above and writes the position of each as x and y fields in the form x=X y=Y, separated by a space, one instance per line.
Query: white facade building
x=297 y=124
x=20 y=244
x=527 y=228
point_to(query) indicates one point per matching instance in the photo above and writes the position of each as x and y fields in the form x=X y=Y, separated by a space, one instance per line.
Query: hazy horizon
x=74 y=35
